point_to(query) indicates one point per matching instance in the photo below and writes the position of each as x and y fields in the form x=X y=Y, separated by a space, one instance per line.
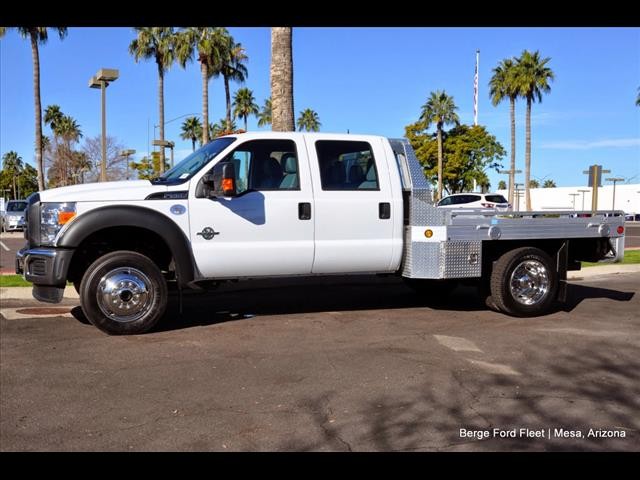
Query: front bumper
x=47 y=269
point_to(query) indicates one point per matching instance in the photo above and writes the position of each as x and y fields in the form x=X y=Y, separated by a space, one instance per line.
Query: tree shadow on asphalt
x=314 y=295
x=579 y=388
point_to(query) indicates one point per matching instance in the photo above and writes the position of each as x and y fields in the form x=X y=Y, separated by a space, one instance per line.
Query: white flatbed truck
x=270 y=204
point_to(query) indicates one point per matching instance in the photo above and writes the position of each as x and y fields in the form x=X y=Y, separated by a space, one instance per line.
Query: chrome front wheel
x=124 y=294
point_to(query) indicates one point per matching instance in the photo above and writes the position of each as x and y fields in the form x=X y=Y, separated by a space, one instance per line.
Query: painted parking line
x=46 y=312
x=496 y=368
x=4 y=246
x=457 y=344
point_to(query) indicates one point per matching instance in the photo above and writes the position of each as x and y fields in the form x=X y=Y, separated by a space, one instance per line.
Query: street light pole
x=512 y=180
x=573 y=199
x=583 y=192
x=101 y=80
x=125 y=154
x=614 y=180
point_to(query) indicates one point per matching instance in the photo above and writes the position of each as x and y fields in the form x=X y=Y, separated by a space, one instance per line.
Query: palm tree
x=549 y=184
x=638 y=98
x=502 y=85
x=12 y=164
x=502 y=185
x=37 y=35
x=282 y=79
x=69 y=131
x=532 y=79
x=157 y=43
x=52 y=116
x=231 y=68
x=264 y=117
x=441 y=110
x=309 y=121
x=208 y=43
x=534 y=183
x=244 y=105
x=191 y=130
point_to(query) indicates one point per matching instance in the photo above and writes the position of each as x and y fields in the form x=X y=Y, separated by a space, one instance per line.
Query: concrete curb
x=613 y=269
x=22 y=293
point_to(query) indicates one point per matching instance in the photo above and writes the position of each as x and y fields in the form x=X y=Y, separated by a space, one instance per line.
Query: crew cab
x=272 y=204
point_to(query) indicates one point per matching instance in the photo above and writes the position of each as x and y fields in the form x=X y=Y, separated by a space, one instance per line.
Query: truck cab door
x=354 y=206
x=267 y=228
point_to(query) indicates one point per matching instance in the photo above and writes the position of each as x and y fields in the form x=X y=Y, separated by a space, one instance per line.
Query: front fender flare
x=134 y=216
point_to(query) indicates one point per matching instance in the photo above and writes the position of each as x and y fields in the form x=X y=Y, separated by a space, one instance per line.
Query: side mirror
x=223 y=180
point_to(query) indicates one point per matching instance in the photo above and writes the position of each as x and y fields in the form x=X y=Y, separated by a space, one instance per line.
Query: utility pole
x=595 y=180
x=614 y=180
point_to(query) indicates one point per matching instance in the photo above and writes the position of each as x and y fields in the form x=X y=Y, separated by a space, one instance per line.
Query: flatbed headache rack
x=453 y=248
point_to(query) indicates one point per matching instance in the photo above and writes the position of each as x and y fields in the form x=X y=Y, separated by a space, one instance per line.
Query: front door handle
x=304 y=211
x=384 y=210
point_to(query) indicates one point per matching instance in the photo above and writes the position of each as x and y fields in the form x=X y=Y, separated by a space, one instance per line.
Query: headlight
x=53 y=216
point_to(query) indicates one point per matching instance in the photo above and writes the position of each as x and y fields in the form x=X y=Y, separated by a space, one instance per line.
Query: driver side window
x=265 y=165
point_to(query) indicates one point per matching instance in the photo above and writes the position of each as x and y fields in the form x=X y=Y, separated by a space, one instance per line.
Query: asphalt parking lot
x=328 y=364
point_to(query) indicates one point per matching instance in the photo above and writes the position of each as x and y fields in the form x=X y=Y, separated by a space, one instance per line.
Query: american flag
x=475 y=90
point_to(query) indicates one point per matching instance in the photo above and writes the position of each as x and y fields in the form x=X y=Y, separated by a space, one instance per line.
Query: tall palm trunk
x=282 y=80
x=512 y=168
x=193 y=144
x=527 y=157
x=439 y=162
x=205 y=103
x=38 y=107
x=227 y=97
x=245 y=123
x=161 y=113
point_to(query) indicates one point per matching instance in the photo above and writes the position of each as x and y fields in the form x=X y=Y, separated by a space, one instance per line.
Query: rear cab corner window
x=346 y=165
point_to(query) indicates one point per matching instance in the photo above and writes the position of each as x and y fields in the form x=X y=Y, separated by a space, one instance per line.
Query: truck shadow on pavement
x=282 y=297
x=574 y=388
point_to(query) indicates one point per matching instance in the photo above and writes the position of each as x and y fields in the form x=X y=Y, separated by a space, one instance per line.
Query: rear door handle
x=304 y=211
x=384 y=210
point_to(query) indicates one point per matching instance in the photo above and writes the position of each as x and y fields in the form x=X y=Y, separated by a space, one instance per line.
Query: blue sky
x=366 y=80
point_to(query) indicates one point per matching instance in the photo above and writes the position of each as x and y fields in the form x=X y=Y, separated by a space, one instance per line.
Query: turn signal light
x=428 y=233
x=620 y=230
x=227 y=185
x=65 y=217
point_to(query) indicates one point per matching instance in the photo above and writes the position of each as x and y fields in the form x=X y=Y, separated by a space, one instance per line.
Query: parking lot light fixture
x=101 y=80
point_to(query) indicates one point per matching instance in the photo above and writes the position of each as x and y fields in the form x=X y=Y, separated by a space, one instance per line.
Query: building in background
x=560 y=198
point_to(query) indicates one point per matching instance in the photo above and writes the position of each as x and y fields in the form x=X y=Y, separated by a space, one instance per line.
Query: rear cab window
x=347 y=165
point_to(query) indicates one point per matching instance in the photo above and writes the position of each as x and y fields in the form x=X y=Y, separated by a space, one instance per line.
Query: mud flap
x=562 y=257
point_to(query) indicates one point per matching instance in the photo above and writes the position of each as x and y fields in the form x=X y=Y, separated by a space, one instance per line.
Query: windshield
x=16 y=206
x=194 y=162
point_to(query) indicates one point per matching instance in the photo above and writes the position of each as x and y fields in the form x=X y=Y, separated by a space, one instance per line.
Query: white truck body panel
x=259 y=233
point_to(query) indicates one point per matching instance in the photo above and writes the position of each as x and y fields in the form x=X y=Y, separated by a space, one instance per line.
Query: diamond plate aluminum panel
x=455 y=259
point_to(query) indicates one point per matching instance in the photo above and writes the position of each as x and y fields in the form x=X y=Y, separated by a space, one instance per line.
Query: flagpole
x=475 y=90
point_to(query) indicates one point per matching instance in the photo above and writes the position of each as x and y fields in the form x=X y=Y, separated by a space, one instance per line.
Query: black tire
x=542 y=288
x=436 y=290
x=124 y=268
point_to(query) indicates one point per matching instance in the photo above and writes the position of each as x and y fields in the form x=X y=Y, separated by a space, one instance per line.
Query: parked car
x=13 y=216
x=476 y=200
x=630 y=217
